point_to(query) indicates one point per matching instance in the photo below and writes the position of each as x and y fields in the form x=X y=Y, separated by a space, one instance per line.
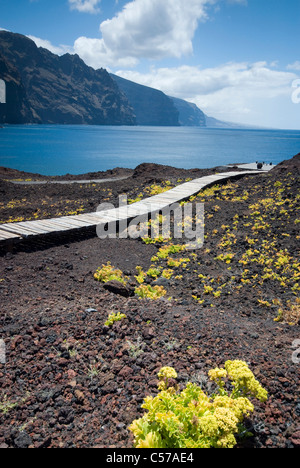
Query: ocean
x=59 y=149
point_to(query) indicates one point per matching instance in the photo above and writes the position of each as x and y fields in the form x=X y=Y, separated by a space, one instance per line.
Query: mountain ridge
x=44 y=88
x=57 y=89
x=151 y=106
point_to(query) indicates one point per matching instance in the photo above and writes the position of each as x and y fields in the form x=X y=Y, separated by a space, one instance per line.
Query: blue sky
x=238 y=60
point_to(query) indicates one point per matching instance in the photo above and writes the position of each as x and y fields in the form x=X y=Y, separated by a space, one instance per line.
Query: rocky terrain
x=71 y=381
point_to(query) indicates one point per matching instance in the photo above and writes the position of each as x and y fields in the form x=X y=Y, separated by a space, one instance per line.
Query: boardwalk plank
x=144 y=207
x=14 y=228
x=4 y=235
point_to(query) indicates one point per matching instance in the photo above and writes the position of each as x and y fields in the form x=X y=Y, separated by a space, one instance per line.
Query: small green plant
x=112 y=318
x=6 y=406
x=227 y=258
x=140 y=277
x=172 y=262
x=148 y=292
x=154 y=272
x=289 y=314
x=92 y=371
x=171 y=344
x=135 y=349
x=166 y=250
x=109 y=273
x=155 y=240
x=167 y=274
x=190 y=418
x=158 y=189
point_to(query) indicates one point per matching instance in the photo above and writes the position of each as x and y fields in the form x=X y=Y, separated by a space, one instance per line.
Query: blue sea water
x=58 y=150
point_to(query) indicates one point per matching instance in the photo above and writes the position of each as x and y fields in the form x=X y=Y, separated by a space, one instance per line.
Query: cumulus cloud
x=95 y=54
x=151 y=29
x=154 y=29
x=85 y=6
x=294 y=66
x=58 y=50
x=230 y=91
x=143 y=29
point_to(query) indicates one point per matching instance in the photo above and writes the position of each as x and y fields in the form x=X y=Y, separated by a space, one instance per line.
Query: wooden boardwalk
x=15 y=232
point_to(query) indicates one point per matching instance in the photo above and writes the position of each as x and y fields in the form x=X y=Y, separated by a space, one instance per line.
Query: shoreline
x=11 y=174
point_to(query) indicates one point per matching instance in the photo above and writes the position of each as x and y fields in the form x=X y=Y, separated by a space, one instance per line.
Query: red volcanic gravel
x=70 y=381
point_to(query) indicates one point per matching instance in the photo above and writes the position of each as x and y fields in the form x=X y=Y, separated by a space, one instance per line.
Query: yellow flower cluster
x=167 y=372
x=190 y=418
x=244 y=381
x=217 y=374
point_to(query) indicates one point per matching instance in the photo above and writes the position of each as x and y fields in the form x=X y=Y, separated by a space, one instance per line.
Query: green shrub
x=190 y=418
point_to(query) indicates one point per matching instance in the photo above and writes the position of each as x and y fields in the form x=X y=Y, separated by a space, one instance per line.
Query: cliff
x=151 y=107
x=189 y=114
x=19 y=111
x=45 y=88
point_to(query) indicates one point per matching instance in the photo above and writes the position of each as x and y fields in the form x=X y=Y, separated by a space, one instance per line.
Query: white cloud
x=95 y=54
x=58 y=50
x=294 y=66
x=85 y=6
x=152 y=29
x=143 y=29
x=233 y=91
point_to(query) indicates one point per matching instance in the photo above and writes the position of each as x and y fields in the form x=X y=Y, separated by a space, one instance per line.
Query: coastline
x=10 y=174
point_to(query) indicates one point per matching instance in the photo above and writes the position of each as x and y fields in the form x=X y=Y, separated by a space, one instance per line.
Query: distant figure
x=259 y=166
x=271 y=164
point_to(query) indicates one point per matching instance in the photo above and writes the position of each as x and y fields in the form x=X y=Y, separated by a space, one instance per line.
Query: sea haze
x=58 y=150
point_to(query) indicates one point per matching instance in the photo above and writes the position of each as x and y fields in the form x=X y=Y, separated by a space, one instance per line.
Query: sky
x=238 y=60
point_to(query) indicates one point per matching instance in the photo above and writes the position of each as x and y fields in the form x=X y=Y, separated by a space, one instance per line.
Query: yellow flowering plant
x=109 y=273
x=192 y=419
x=150 y=292
x=112 y=318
